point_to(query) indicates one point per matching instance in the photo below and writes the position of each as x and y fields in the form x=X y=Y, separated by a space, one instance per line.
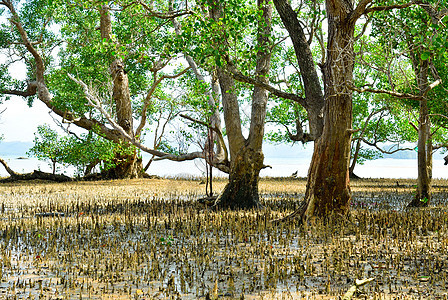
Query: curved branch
x=124 y=135
x=359 y=10
x=8 y=169
x=149 y=96
x=387 y=92
x=389 y=7
x=30 y=91
x=246 y=79
x=439 y=115
x=382 y=150
x=438 y=146
x=221 y=139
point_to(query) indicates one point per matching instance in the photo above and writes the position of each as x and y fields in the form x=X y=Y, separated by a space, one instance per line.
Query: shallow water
x=148 y=239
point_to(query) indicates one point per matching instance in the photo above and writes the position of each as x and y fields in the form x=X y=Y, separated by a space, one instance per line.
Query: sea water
x=276 y=167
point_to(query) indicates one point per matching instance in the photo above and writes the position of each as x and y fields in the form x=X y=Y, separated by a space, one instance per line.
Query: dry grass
x=149 y=239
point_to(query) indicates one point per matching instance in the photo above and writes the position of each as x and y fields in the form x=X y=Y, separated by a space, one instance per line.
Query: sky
x=19 y=122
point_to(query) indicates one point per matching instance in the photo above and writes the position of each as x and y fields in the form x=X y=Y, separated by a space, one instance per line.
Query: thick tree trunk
x=126 y=165
x=89 y=167
x=242 y=189
x=328 y=189
x=246 y=155
x=424 y=156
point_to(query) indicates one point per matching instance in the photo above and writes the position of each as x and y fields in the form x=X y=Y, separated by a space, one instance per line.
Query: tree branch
x=438 y=146
x=387 y=92
x=7 y=168
x=31 y=90
x=439 y=115
x=433 y=85
x=153 y=13
x=389 y=7
x=382 y=150
x=221 y=140
x=371 y=115
x=246 y=79
x=151 y=91
x=94 y=102
x=359 y=10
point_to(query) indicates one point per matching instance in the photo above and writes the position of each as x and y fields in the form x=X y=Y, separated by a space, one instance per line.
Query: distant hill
x=14 y=148
x=282 y=150
x=297 y=150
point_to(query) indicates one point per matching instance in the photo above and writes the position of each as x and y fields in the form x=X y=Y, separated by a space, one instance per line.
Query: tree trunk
x=328 y=189
x=351 y=169
x=429 y=151
x=126 y=165
x=242 y=189
x=246 y=155
x=304 y=56
x=424 y=155
x=90 y=166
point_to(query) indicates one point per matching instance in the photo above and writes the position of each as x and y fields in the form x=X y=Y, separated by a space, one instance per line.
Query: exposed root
x=298 y=214
x=208 y=201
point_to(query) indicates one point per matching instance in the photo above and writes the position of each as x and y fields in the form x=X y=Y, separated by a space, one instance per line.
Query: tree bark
x=328 y=189
x=126 y=165
x=246 y=155
x=242 y=190
x=424 y=155
x=14 y=176
x=313 y=92
x=351 y=169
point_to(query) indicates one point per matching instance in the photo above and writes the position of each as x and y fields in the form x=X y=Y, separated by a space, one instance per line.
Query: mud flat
x=150 y=239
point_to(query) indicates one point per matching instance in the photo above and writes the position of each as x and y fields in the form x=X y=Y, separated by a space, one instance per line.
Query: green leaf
x=424 y=200
x=425 y=55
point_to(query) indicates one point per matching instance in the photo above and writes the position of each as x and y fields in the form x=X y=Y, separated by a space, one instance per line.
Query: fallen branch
x=7 y=168
x=37 y=175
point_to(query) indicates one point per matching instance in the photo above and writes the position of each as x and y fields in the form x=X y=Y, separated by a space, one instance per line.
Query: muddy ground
x=150 y=239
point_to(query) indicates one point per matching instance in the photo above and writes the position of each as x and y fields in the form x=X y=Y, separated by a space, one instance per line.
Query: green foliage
x=407 y=39
x=284 y=115
x=79 y=152
x=48 y=146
